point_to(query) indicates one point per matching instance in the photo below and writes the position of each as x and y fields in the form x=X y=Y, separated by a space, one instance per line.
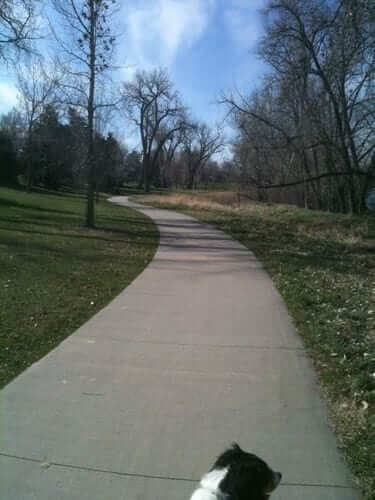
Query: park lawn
x=55 y=273
x=324 y=266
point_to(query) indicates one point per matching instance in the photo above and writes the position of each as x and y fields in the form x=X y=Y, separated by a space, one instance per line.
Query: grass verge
x=55 y=274
x=323 y=265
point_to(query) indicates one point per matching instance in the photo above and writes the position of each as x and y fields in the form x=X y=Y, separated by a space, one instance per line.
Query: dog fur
x=237 y=475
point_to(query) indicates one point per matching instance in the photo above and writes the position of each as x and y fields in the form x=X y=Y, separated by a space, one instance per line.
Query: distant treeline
x=55 y=155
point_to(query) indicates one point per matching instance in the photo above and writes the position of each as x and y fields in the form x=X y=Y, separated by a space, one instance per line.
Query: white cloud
x=158 y=29
x=8 y=96
x=243 y=22
x=253 y=4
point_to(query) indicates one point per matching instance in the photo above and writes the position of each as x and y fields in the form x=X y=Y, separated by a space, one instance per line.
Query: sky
x=207 y=46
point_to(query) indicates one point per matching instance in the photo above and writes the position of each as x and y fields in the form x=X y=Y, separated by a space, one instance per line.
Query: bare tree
x=87 y=45
x=151 y=103
x=200 y=143
x=37 y=88
x=320 y=114
x=167 y=154
x=338 y=43
x=17 y=27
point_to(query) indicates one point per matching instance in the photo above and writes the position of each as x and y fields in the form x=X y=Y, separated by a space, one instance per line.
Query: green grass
x=323 y=264
x=55 y=274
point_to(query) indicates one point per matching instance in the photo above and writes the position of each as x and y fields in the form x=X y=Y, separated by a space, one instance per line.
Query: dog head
x=248 y=476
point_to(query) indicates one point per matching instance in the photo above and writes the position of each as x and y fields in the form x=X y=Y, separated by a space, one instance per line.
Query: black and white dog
x=237 y=475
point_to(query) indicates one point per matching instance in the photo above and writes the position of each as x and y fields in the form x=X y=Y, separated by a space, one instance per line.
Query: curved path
x=197 y=352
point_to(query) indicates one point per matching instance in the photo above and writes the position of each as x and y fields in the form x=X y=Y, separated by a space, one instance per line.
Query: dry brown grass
x=320 y=225
x=199 y=201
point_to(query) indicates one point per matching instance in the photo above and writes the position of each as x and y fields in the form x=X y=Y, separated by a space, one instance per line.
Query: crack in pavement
x=45 y=464
x=189 y=344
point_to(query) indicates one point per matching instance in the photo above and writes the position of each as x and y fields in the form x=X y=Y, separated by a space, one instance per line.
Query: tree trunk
x=90 y=208
x=147 y=183
x=192 y=170
x=90 y=212
x=29 y=173
x=146 y=174
x=190 y=183
x=29 y=167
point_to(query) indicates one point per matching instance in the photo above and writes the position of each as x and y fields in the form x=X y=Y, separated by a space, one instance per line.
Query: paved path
x=197 y=352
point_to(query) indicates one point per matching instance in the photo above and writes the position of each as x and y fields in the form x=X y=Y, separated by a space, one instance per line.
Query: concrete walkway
x=197 y=352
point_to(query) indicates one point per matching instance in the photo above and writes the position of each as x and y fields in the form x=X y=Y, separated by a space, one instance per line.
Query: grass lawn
x=324 y=266
x=55 y=274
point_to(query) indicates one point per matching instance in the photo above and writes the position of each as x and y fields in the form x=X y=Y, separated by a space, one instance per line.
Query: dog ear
x=236 y=446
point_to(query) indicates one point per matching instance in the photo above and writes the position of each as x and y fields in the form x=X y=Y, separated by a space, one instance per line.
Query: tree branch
x=313 y=179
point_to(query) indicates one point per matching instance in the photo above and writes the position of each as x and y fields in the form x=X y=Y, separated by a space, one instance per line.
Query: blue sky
x=208 y=46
